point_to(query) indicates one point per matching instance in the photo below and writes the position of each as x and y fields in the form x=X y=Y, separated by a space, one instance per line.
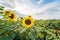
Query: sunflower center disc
x=7 y=13
x=12 y=16
x=28 y=22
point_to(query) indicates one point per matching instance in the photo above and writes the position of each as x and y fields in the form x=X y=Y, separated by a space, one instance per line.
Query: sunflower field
x=26 y=28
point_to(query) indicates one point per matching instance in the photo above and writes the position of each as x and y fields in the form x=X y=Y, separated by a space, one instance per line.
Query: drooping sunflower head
x=6 y=12
x=11 y=16
x=28 y=22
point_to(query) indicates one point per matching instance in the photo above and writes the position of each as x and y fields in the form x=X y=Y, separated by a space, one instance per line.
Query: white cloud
x=45 y=12
x=25 y=7
x=40 y=1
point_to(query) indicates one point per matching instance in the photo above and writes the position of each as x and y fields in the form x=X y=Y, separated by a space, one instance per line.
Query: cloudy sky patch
x=38 y=9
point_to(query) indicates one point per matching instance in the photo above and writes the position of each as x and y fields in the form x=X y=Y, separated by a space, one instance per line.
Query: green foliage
x=1 y=9
x=41 y=30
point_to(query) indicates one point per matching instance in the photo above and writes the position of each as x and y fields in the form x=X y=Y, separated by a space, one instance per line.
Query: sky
x=38 y=9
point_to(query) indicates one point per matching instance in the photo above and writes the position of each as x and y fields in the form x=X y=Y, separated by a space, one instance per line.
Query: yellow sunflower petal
x=12 y=16
x=6 y=12
x=28 y=22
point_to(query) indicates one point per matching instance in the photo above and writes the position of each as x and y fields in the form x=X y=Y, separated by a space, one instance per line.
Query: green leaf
x=1 y=31
x=9 y=36
x=32 y=35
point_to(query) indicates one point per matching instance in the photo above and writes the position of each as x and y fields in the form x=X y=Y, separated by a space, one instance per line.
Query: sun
x=28 y=22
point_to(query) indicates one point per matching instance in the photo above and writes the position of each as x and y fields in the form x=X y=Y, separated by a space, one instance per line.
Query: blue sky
x=38 y=9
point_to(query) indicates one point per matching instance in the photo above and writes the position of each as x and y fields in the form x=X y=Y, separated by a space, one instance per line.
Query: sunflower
x=6 y=12
x=11 y=16
x=28 y=22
